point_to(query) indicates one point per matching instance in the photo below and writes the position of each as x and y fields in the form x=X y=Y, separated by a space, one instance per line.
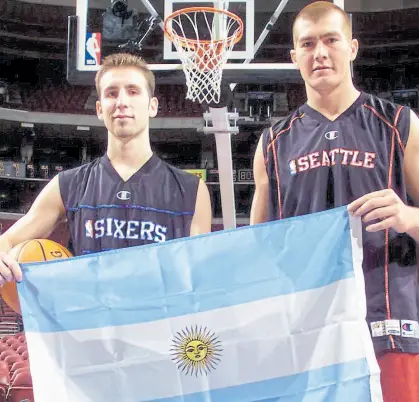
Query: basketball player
x=127 y=197
x=344 y=147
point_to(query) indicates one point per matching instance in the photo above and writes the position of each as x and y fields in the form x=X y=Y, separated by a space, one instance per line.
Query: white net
x=204 y=39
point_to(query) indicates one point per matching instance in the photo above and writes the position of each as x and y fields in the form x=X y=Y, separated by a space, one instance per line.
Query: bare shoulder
x=412 y=145
x=411 y=159
x=50 y=196
x=202 y=219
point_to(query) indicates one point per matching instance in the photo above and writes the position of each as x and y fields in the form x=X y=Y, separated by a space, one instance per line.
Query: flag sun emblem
x=196 y=350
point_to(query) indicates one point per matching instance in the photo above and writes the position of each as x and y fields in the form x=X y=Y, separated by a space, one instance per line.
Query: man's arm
x=259 y=212
x=385 y=205
x=201 y=221
x=46 y=212
x=411 y=171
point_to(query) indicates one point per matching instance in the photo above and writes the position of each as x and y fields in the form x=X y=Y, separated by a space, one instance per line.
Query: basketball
x=31 y=251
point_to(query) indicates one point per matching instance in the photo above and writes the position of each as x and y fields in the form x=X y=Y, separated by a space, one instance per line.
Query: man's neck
x=128 y=156
x=332 y=104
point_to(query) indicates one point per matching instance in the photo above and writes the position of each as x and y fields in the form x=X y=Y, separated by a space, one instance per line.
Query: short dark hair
x=126 y=60
x=319 y=9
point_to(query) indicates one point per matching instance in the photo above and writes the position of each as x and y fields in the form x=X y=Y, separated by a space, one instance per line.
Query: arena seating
x=15 y=377
x=173 y=102
x=58 y=99
x=10 y=322
x=78 y=100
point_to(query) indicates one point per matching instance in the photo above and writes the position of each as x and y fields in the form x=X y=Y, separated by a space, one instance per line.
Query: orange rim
x=193 y=43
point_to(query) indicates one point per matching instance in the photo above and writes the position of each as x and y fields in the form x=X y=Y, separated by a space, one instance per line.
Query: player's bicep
x=411 y=159
x=45 y=213
x=259 y=211
x=201 y=221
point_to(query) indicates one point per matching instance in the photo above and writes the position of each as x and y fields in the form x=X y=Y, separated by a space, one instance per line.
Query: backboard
x=102 y=27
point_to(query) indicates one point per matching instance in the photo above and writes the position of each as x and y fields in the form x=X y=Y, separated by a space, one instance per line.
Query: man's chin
x=123 y=134
x=324 y=84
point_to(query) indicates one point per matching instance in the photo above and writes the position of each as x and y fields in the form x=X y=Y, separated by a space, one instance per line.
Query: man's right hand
x=9 y=269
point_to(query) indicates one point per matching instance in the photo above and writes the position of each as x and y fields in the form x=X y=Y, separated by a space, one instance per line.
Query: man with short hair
x=127 y=197
x=347 y=147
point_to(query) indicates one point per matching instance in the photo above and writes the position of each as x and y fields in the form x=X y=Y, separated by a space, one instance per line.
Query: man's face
x=125 y=105
x=323 y=51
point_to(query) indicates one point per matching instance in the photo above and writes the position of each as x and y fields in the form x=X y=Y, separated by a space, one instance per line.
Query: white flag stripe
x=259 y=335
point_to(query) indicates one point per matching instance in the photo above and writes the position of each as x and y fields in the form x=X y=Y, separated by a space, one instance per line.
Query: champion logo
x=407 y=327
x=123 y=195
x=331 y=135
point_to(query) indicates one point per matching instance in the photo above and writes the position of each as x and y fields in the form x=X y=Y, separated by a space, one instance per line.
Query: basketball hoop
x=202 y=53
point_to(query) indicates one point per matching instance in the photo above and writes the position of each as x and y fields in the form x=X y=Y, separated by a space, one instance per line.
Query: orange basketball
x=31 y=251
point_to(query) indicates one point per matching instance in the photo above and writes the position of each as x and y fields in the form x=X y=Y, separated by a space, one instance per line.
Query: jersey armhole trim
x=396 y=120
x=392 y=126
x=271 y=136
x=272 y=141
x=276 y=164
x=60 y=189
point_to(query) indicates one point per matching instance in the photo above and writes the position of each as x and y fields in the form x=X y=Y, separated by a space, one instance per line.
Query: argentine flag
x=272 y=312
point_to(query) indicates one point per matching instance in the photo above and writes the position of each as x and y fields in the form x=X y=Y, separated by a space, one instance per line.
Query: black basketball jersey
x=104 y=212
x=314 y=164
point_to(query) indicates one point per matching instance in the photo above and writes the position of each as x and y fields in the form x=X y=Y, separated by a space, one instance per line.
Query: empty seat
x=10 y=359
x=21 y=394
x=10 y=341
x=17 y=372
x=18 y=365
x=23 y=379
x=4 y=366
x=21 y=349
x=7 y=352
x=21 y=388
x=4 y=384
x=15 y=344
x=3 y=346
x=6 y=338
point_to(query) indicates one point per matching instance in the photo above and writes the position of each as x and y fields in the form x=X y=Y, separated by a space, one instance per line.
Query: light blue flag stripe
x=346 y=382
x=187 y=275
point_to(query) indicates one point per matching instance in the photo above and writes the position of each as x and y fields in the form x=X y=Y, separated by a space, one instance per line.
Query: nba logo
x=92 y=52
x=293 y=167
x=89 y=229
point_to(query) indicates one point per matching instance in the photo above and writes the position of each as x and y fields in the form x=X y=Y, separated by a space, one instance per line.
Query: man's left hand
x=385 y=206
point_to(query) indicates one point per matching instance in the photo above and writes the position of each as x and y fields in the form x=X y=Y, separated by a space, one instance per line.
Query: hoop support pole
x=225 y=165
